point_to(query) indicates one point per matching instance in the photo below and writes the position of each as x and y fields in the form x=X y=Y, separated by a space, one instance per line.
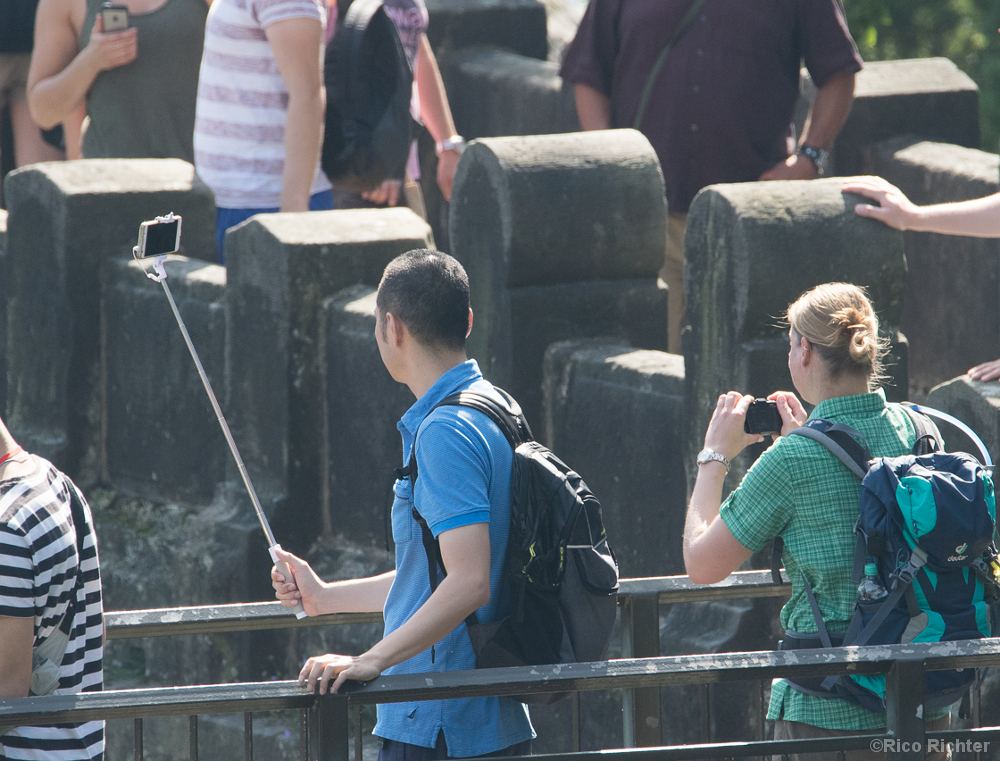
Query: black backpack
x=369 y=83
x=561 y=571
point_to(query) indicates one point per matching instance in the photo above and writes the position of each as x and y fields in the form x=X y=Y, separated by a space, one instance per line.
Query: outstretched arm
x=319 y=597
x=829 y=111
x=466 y=554
x=979 y=218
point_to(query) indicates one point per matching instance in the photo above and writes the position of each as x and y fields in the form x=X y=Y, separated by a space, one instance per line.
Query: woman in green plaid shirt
x=797 y=490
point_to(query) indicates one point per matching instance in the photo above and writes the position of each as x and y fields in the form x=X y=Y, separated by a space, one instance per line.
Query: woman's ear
x=806 y=347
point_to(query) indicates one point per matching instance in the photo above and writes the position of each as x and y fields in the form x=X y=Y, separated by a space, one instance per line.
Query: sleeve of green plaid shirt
x=761 y=506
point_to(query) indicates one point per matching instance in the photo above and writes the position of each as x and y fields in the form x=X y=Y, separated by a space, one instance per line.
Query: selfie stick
x=159 y=274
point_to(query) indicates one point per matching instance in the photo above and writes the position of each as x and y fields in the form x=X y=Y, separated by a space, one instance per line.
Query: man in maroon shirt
x=721 y=106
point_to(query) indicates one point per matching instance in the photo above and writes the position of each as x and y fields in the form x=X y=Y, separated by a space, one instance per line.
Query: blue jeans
x=226 y=218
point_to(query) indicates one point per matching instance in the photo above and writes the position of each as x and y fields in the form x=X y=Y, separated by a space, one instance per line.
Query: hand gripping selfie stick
x=159 y=274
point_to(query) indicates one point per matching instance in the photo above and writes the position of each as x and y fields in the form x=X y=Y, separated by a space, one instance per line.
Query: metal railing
x=325 y=718
x=639 y=600
x=640 y=674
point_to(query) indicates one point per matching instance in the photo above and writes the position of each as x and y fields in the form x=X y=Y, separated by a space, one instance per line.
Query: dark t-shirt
x=722 y=105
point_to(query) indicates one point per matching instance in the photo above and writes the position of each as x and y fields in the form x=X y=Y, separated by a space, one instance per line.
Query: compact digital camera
x=762 y=417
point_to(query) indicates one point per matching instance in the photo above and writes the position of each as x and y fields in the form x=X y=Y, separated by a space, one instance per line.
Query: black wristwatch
x=818 y=156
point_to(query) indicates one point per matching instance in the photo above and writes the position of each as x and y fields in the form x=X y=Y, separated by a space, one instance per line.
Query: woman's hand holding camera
x=113 y=49
x=725 y=433
x=793 y=414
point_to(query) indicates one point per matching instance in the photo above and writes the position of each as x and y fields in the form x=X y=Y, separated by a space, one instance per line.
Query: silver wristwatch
x=819 y=157
x=710 y=455
x=453 y=143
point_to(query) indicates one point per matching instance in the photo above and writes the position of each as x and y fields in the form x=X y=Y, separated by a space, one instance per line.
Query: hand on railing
x=321 y=669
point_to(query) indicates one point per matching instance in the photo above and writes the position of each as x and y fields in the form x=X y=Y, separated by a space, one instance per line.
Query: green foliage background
x=963 y=30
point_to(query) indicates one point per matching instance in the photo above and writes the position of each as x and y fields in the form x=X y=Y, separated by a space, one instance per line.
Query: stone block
x=162 y=439
x=751 y=250
x=929 y=97
x=974 y=403
x=66 y=218
x=361 y=445
x=951 y=315
x=615 y=415
x=495 y=92
x=163 y=555
x=716 y=712
x=517 y=25
x=281 y=268
x=562 y=237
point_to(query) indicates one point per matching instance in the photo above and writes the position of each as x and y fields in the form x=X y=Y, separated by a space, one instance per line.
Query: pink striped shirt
x=239 y=131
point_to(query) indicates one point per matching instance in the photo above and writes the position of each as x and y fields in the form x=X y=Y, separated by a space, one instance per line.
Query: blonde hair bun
x=840 y=322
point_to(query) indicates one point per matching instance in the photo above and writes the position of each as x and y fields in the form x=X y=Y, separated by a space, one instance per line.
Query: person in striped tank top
x=50 y=603
x=260 y=109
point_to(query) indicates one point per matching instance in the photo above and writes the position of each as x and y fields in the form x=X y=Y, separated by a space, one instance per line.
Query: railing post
x=904 y=711
x=329 y=729
x=641 y=639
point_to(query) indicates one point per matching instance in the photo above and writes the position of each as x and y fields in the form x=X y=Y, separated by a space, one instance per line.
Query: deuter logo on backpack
x=925 y=542
x=956 y=558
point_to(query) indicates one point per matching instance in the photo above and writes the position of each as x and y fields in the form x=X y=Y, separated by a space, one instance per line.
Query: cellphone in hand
x=114 y=18
x=762 y=417
x=159 y=237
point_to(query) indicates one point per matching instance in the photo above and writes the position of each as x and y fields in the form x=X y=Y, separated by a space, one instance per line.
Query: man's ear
x=469 y=331
x=395 y=329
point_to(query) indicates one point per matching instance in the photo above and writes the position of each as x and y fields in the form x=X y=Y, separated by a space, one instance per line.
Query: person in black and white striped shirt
x=50 y=581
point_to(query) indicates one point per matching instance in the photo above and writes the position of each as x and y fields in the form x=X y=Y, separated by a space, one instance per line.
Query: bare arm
x=979 y=218
x=73 y=133
x=466 y=553
x=829 y=111
x=17 y=635
x=297 y=44
x=711 y=552
x=593 y=108
x=436 y=112
x=61 y=74
x=319 y=597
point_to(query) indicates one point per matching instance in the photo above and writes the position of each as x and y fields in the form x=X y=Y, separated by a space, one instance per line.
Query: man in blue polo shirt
x=422 y=319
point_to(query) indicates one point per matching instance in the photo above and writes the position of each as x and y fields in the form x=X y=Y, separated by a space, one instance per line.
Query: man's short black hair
x=429 y=292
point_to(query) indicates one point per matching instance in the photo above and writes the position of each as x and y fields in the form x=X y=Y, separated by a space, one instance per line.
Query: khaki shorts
x=13 y=77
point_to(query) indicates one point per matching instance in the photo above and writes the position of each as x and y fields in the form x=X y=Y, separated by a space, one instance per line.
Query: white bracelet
x=453 y=143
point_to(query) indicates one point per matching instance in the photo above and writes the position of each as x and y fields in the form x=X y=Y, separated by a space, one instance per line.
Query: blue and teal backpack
x=927 y=522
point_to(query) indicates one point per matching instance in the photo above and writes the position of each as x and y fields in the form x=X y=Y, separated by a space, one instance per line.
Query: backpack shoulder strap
x=647 y=90
x=515 y=429
x=928 y=436
x=847 y=444
x=511 y=423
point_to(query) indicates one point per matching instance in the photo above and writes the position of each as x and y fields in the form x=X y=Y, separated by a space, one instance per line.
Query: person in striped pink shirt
x=260 y=109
